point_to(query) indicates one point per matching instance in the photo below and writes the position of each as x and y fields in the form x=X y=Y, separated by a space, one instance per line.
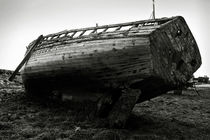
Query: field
x=169 y=116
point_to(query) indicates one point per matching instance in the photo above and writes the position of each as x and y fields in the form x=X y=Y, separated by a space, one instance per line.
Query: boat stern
x=176 y=52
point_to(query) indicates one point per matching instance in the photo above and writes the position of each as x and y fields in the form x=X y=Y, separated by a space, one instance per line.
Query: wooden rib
x=105 y=30
x=73 y=34
x=118 y=28
x=82 y=33
x=93 y=31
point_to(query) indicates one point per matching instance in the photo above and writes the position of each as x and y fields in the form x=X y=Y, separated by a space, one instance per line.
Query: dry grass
x=170 y=116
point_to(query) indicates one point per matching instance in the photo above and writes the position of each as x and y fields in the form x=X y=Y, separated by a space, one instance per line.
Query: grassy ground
x=169 y=116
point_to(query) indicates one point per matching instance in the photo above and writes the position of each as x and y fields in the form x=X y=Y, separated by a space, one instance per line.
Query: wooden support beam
x=27 y=56
x=123 y=107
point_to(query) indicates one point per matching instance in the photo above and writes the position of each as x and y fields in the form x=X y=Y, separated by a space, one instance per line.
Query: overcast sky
x=22 y=21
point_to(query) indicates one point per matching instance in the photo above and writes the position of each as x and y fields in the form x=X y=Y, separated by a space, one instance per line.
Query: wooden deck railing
x=82 y=32
x=105 y=28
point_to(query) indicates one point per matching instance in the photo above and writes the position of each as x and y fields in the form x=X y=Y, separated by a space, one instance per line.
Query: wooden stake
x=153 y=12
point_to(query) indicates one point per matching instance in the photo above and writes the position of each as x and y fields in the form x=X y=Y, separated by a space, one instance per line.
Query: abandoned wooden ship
x=148 y=56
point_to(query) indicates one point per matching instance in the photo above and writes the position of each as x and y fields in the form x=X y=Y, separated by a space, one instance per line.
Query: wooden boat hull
x=154 y=56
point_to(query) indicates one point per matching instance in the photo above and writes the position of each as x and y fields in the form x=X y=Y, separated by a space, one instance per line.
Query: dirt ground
x=169 y=116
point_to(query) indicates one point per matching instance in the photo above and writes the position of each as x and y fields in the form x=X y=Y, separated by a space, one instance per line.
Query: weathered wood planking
x=112 y=59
